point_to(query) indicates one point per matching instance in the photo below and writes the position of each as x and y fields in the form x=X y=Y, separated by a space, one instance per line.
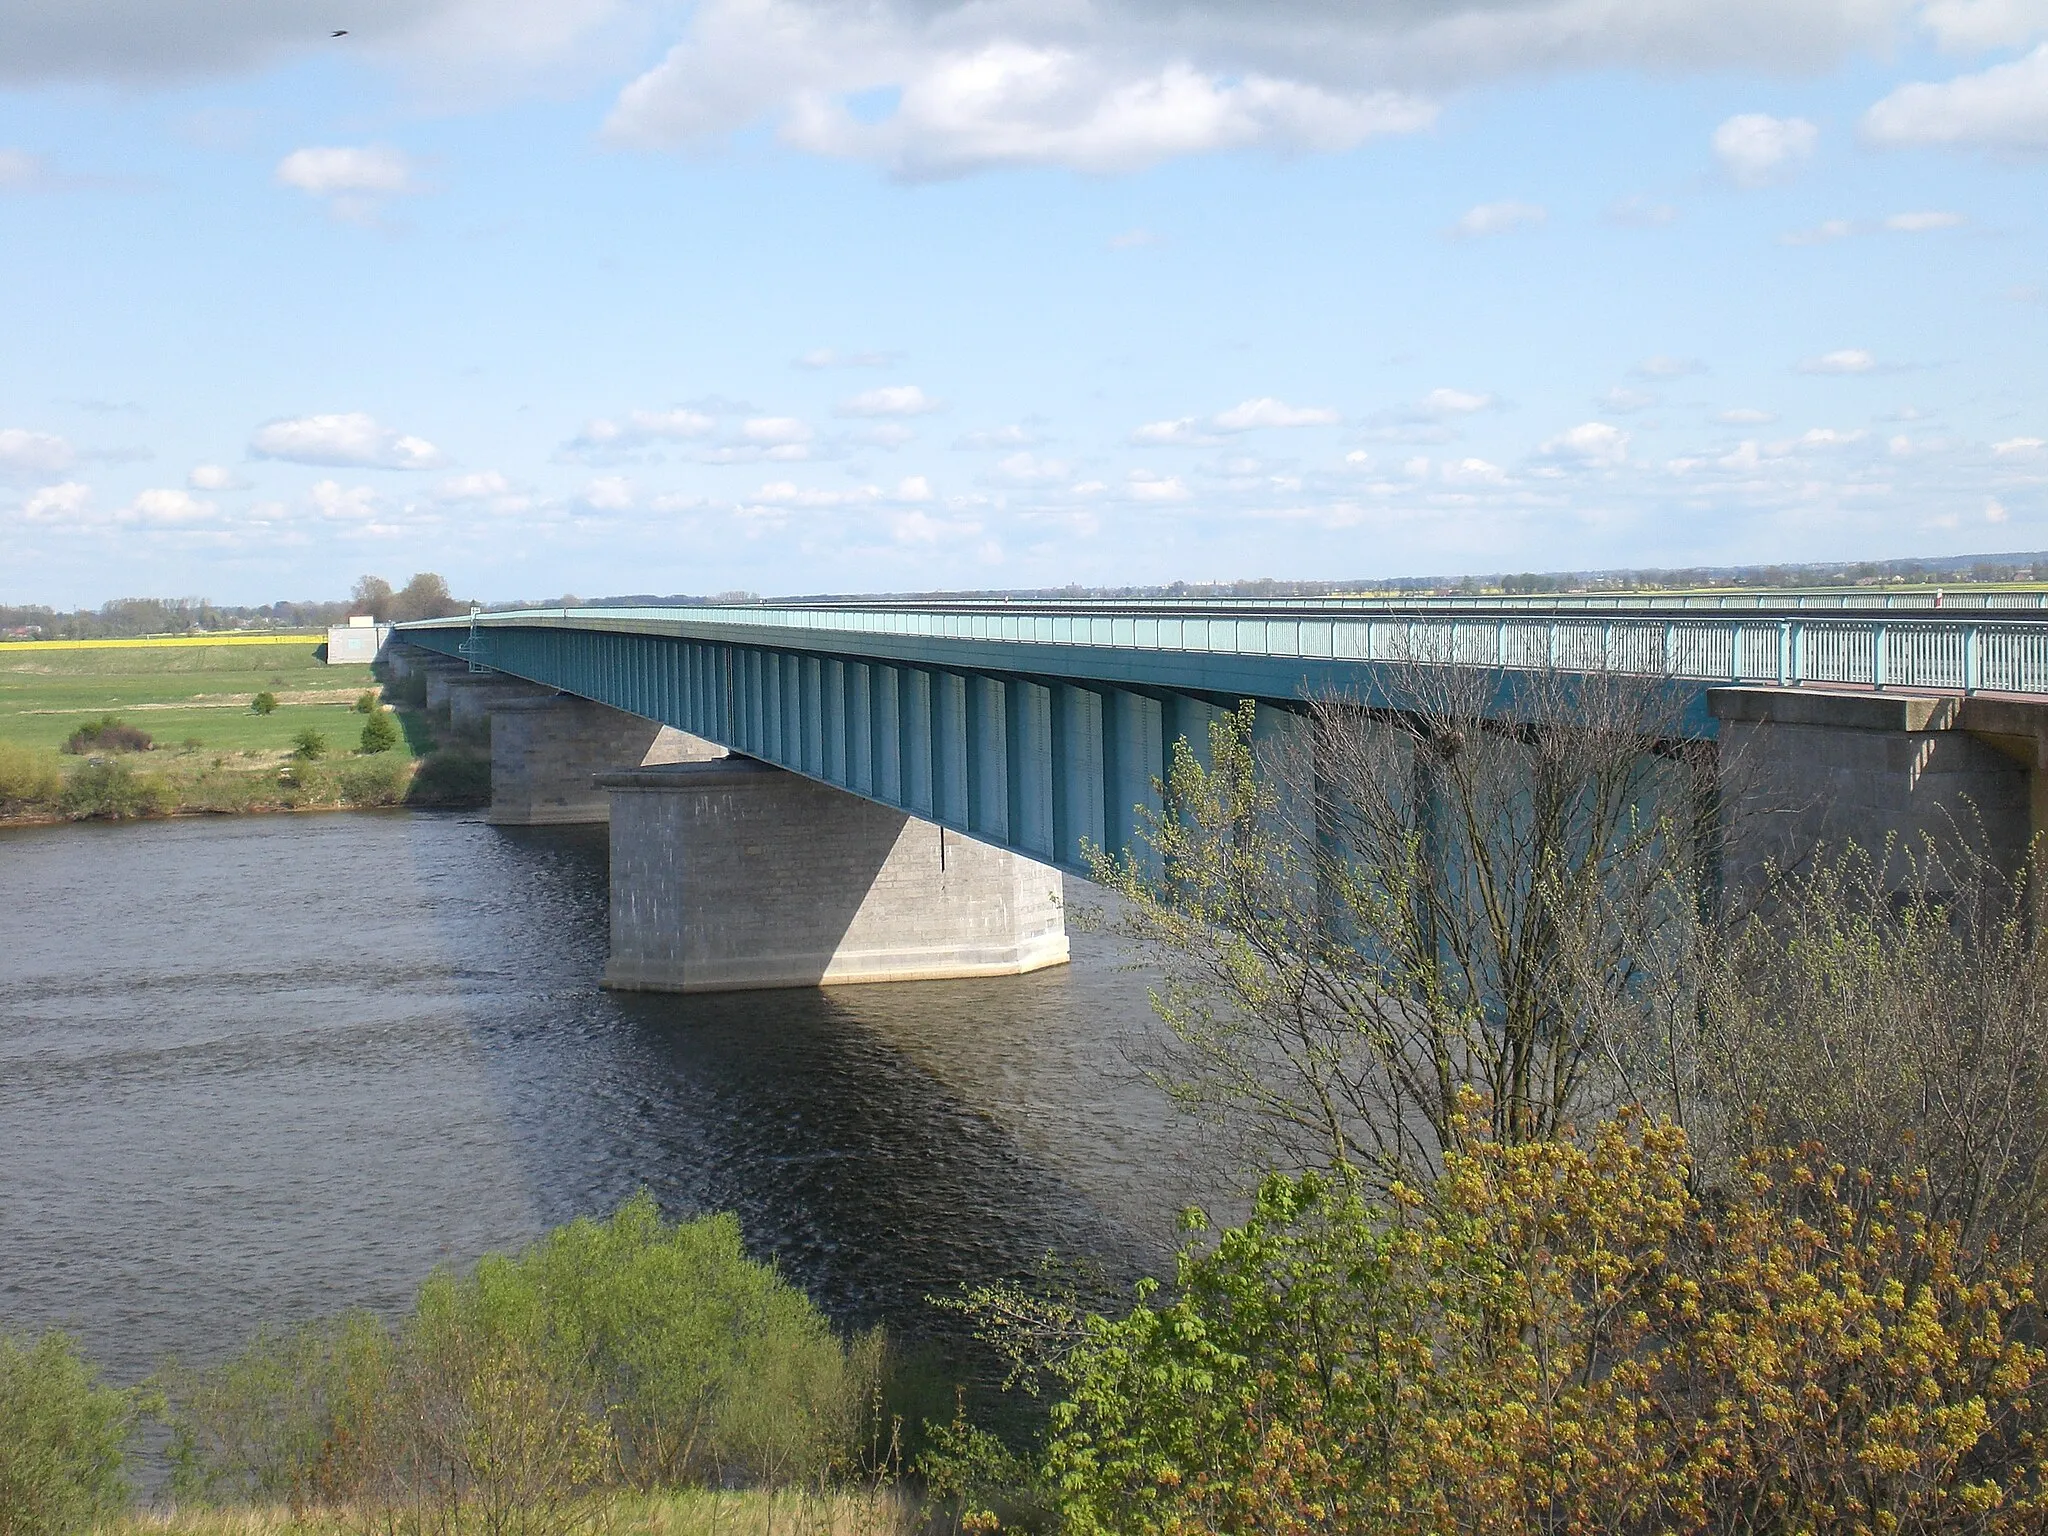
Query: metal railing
x=2000 y=655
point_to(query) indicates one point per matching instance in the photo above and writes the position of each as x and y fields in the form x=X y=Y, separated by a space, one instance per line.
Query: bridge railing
x=2003 y=655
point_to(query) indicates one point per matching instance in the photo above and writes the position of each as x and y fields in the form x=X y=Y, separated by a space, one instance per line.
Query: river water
x=263 y=1069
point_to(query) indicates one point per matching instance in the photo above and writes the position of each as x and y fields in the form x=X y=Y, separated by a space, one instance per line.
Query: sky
x=612 y=296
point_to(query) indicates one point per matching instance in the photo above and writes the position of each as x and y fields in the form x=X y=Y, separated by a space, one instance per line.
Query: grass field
x=210 y=750
x=179 y=692
x=690 y=1513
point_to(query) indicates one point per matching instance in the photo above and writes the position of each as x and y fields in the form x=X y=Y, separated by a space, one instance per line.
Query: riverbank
x=214 y=725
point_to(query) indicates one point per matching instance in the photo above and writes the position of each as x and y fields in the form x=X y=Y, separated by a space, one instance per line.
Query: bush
x=1559 y=1337
x=380 y=732
x=309 y=745
x=29 y=781
x=111 y=790
x=366 y=702
x=450 y=778
x=62 y=1439
x=624 y=1350
x=108 y=734
x=265 y=703
x=373 y=781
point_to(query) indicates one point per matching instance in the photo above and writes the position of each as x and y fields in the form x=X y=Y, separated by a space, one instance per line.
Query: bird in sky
x=342 y=33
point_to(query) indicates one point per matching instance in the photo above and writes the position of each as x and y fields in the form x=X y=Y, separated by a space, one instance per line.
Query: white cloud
x=890 y=400
x=639 y=428
x=776 y=431
x=167 y=508
x=1994 y=511
x=214 y=477
x=1472 y=472
x=608 y=493
x=1845 y=360
x=1268 y=412
x=1497 y=219
x=2014 y=446
x=39 y=453
x=1141 y=485
x=481 y=486
x=1180 y=430
x=913 y=488
x=345 y=504
x=1029 y=469
x=325 y=171
x=1921 y=223
x=1743 y=416
x=345 y=440
x=1973 y=25
x=1623 y=399
x=1824 y=233
x=1592 y=443
x=1455 y=402
x=61 y=503
x=2003 y=108
x=1755 y=148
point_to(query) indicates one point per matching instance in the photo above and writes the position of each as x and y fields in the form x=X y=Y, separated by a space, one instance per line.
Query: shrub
x=28 y=780
x=380 y=732
x=265 y=703
x=111 y=790
x=366 y=702
x=309 y=745
x=451 y=777
x=1558 y=1337
x=373 y=781
x=62 y=1439
x=108 y=734
x=624 y=1350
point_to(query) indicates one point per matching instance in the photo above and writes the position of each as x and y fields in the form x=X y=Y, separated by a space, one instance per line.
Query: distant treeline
x=426 y=596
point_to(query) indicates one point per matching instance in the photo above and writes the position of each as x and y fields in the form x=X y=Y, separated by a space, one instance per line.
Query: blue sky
x=802 y=295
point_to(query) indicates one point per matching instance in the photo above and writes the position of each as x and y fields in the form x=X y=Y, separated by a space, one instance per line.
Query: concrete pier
x=548 y=749
x=735 y=875
x=1803 y=767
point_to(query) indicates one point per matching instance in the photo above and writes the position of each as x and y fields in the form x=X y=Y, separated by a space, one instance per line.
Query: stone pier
x=734 y=875
x=548 y=749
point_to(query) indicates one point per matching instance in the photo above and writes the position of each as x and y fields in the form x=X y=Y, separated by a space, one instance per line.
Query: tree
x=424 y=597
x=62 y=1439
x=380 y=732
x=1461 y=884
x=372 y=596
x=309 y=745
x=265 y=703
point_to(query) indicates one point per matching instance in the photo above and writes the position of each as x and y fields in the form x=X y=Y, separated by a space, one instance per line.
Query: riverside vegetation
x=1583 y=1195
x=215 y=725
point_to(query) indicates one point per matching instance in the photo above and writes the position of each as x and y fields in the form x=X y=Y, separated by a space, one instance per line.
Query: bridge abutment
x=736 y=875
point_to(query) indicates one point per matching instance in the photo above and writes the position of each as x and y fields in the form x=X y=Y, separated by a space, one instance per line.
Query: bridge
x=1034 y=730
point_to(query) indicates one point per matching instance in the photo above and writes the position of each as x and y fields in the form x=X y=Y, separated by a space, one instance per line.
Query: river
x=262 y=1069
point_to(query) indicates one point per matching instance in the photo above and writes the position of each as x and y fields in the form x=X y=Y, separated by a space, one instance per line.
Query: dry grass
x=692 y=1512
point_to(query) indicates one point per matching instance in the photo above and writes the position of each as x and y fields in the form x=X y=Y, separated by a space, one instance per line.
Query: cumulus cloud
x=608 y=493
x=2003 y=108
x=1844 y=360
x=890 y=400
x=1755 y=148
x=61 y=503
x=1743 y=416
x=1623 y=399
x=1593 y=443
x=1497 y=219
x=1141 y=485
x=167 y=508
x=345 y=504
x=1181 y=429
x=352 y=180
x=347 y=440
x=1661 y=366
x=2017 y=446
x=1268 y=412
x=1455 y=402
x=776 y=431
x=214 y=477
x=1830 y=230
x=38 y=453
x=1026 y=468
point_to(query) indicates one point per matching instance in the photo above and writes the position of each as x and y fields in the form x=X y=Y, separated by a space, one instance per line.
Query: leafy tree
x=265 y=703
x=372 y=596
x=309 y=745
x=63 y=1438
x=424 y=597
x=366 y=702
